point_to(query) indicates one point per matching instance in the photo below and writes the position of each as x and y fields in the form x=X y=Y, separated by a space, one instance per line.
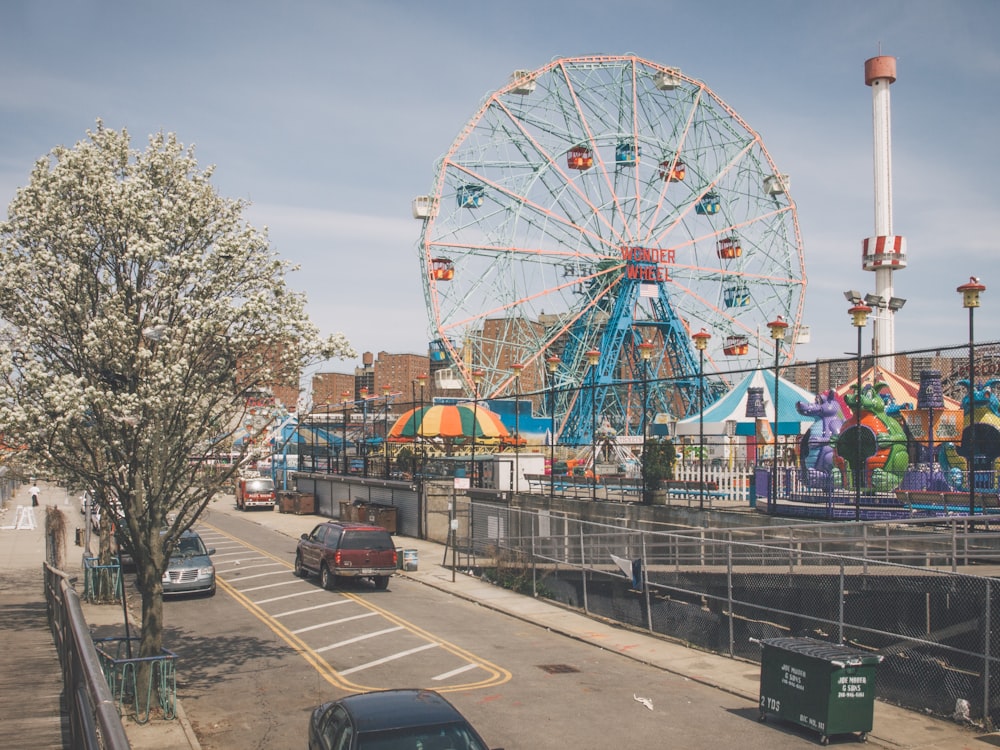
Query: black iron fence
x=94 y=722
x=332 y=446
x=922 y=593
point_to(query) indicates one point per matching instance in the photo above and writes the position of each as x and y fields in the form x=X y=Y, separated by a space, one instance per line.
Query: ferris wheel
x=591 y=208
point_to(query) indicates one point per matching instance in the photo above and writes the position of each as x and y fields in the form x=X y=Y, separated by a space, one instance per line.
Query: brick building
x=395 y=372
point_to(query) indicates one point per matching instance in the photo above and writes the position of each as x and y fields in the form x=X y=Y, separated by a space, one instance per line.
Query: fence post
x=534 y=558
x=840 y=598
x=583 y=571
x=729 y=590
x=645 y=586
x=954 y=547
x=987 y=631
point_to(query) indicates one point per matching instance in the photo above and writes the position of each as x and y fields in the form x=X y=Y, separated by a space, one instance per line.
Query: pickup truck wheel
x=381 y=583
x=299 y=570
x=327 y=579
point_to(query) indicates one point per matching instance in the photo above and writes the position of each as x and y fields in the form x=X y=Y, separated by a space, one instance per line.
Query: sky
x=329 y=117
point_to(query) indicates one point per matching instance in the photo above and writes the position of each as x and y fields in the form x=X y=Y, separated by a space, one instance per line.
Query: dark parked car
x=392 y=720
x=190 y=570
x=349 y=550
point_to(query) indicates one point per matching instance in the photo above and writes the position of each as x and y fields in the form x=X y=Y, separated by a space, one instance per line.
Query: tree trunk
x=151 y=638
x=104 y=584
x=151 y=587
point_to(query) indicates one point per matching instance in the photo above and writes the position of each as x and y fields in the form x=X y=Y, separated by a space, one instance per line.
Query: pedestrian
x=34 y=495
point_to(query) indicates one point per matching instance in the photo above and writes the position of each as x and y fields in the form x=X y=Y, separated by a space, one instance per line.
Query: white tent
x=733 y=407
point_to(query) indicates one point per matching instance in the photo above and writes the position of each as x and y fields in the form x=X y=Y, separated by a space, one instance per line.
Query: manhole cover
x=558 y=668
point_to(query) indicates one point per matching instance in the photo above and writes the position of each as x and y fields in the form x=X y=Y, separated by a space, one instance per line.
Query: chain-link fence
x=867 y=586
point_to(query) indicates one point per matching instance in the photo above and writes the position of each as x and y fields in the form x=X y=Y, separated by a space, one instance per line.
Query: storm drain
x=558 y=668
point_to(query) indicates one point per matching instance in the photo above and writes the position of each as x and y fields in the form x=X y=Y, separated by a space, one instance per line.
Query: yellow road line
x=496 y=675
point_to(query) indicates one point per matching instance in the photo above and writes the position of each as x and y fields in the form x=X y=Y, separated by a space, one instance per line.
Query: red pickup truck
x=350 y=550
x=254 y=492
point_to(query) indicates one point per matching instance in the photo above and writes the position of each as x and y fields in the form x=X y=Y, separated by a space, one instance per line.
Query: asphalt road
x=256 y=658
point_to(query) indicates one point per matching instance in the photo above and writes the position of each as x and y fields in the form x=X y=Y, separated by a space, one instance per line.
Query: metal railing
x=94 y=722
x=902 y=590
x=139 y=682
x=102 y=583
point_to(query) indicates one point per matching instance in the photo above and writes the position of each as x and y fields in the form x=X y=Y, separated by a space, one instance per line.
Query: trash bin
x=353 y=511
x=382 y=515
x=409 y=559
x=305 y=503
x=286 y=501
x=822 y=686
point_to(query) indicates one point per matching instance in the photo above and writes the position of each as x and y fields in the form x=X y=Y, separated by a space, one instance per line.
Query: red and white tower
x=885 y=252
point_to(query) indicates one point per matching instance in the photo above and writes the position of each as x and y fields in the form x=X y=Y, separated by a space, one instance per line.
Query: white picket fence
x=733 y=481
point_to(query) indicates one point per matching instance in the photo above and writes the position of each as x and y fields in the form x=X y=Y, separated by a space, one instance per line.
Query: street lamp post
x=326 y=436
x=345 y=399
x=364 y=431
x=312 y=446
x=645 y=354
x=970 y=301
x=593 y=357
x=859 y=317
x=778 y=327
x=552 y=363
x=477 y=378
x=700 y=343
x=517 y=367
x=421 y=381
x=385 y=429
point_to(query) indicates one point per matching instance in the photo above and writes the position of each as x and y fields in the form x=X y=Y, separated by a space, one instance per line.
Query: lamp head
x=593 y=357
x=646 y=350
x=477 y=376
x=345 y=397
x=701 y=339
x=971 y=291
x=552 y=363
x=422 y=379
x=778 y=328
x=517 y=367
x=853 y=296
x=859 y=315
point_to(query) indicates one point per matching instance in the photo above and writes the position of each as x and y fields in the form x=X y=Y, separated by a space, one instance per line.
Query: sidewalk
x=31 y=682
x=22 y=551
x=32 y=718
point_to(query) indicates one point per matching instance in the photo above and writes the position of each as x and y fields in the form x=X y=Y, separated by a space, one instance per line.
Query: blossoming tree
x=140 y=316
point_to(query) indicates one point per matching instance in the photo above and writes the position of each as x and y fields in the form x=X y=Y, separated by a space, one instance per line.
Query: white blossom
x=139 y=311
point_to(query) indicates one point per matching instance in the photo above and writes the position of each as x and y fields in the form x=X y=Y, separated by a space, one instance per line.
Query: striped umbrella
x=448 y=421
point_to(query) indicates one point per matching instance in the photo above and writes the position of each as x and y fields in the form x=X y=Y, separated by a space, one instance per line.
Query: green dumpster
x=822 y=686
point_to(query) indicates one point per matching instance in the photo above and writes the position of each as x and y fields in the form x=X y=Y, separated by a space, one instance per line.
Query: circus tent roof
x=732 y=408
